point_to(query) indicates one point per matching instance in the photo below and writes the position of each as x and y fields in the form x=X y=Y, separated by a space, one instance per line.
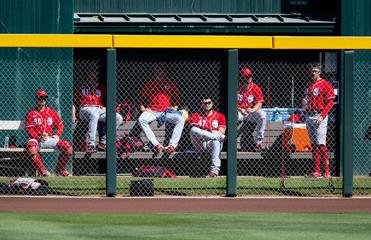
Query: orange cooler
x=295 y=138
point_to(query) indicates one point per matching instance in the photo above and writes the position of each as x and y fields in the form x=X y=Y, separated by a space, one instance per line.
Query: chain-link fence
x=166 y=132
x=292 y=155
x=171 y=122
x=362 y=123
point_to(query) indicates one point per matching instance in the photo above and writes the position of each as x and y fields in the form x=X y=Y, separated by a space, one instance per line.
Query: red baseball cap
x=246 y=72
x=41 y=93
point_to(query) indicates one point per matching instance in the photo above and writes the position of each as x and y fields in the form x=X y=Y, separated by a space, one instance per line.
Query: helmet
x=246 y=72
x=41 y=93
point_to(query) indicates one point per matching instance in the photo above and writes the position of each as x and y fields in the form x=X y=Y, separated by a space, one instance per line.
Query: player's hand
x=319 y=120
x=243 y=111
x=56 y=137
x=44 y=137
x=250 y=110
x=305 y=103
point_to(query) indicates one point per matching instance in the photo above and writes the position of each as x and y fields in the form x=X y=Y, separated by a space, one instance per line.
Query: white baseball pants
x=205 y=141
x=259 y=117
x=174 y=118
x=93 y=115
x=317 y=133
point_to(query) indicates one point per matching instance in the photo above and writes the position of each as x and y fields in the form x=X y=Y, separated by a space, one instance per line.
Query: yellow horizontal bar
x=182 y=41
x=187 y=41
x=55 y=40
x=281 y=42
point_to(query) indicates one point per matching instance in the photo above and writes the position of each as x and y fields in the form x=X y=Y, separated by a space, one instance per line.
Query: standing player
x=318 y=102
x=207 y=133
x=93 y=111
x=250 y=101
x=39 y=125
x=159 y=101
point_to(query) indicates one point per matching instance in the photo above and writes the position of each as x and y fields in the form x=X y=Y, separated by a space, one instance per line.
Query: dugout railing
x=201 y=65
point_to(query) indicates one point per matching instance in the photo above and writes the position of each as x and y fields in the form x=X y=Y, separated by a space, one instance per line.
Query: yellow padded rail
x=55 y=40
x=321 y=42
x=182 y=41
x=187 y=41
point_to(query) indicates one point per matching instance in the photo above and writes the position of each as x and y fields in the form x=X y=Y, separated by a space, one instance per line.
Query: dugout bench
x=189 y=163
x=15 y=162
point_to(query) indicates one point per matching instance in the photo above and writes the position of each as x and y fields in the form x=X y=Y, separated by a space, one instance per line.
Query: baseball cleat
x=159 y=148
x=314 y=175
x=170 y=149
x=212 y=175
x=102 y=147
x=63 y=173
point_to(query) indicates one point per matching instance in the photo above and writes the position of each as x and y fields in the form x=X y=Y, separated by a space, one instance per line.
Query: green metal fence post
x=111 y=123
x=232 y=123
x=347 y=124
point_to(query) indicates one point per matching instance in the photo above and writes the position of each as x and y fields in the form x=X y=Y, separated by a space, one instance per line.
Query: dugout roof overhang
x=278 y=24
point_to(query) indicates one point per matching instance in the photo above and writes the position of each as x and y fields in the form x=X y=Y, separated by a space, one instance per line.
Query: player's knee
x=65 y=147
x=142 y=120
x=119 y=119
x=32 y=147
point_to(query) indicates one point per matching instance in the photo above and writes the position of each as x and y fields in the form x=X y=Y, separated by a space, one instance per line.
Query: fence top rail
x=184 y=41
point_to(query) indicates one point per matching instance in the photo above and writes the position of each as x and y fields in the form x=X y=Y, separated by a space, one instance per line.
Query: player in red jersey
x=39 y=125
x=318 y=102
x=93 y=112
x=208 y=133
x=250 y=101
x=160 y=100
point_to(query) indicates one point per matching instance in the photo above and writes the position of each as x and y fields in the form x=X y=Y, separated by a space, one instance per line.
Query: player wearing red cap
x=40 y=124
x=208 y=133
x=250 y=101
x=318 y=102
x=160 y=100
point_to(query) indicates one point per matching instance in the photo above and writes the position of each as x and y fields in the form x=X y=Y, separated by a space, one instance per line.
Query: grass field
x=185 y=186
x=20 y=226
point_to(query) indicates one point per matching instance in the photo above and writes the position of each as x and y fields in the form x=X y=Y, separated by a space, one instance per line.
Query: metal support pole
x=232 y=123
x=347 y=126
x=111 y=123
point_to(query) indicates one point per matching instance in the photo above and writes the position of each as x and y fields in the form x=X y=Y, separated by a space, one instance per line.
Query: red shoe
x=327 y=175
x=91 y=149
x=170 y=149
x=159 y=148
x=63 y=173
x=258 y=147
x=211 y=175
x=102 y=147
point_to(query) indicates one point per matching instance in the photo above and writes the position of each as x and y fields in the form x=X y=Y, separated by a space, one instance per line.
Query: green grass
x=184 y=186
x=20 y=226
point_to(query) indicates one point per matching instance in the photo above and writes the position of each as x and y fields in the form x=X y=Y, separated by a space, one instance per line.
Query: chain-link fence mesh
x=158 y=147
x=362 y=123
x=23 y=74
x=154 y=87
x=280 y=142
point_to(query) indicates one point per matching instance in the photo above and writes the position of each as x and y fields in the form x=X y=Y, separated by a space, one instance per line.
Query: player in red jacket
x=44 y=127
x=318 y=102
x=208 y=133
x=160 y=100
x=250 y=101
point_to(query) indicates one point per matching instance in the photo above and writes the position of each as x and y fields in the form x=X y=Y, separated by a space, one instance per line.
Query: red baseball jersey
x=318 y=94
x=93 y=96
x=212 y=122
x=43 y=121
x=160 y=94
x=250 y=97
